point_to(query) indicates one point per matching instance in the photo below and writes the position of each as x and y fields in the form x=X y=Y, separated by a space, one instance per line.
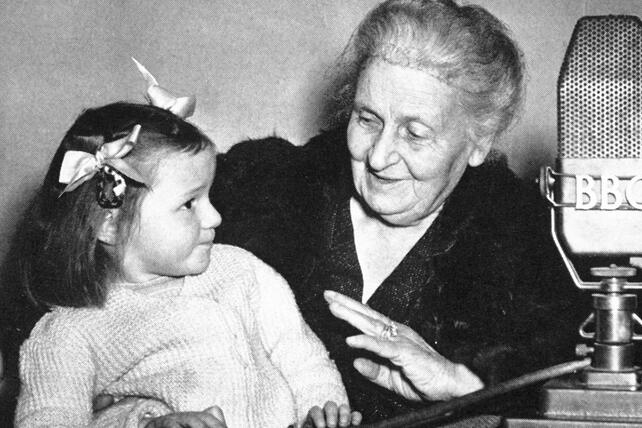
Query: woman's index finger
x=333 y=296
x=363 y=322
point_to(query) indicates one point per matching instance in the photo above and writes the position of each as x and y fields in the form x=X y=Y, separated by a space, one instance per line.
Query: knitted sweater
x=231 y=337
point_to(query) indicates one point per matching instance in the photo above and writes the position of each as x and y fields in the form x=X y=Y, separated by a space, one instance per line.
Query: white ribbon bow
x=78 y=166
x=158 y=96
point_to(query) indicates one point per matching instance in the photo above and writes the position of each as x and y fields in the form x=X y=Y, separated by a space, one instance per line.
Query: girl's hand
x=211 y=417
x=331 y=416
x=417 y=372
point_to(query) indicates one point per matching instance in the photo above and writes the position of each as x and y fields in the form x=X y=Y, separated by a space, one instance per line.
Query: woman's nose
x=383 y=151
x=211 y=218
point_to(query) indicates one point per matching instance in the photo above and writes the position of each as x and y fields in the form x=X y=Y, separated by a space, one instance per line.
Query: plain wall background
x=257 y=68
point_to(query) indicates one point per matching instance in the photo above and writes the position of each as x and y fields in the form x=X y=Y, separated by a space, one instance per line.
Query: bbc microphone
x=595 y=194
x=598 y=187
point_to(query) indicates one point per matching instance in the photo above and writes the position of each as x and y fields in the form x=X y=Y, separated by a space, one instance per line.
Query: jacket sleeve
x=57 y=375
x=292 y=346
x=271 y=193
x=524 y=306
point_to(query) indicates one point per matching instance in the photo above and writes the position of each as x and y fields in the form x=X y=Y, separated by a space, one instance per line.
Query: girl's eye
x=188 y=205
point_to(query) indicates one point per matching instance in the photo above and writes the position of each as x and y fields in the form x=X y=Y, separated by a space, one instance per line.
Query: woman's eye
x=367 y=119
x=188 y=205
x=417 y=132
x=414 y=134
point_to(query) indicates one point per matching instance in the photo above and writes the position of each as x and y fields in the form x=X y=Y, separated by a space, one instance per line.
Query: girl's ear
x=107 y=231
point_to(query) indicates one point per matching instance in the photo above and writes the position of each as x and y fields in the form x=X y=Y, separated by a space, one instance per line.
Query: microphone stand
x=608 y=392
x=600 y=391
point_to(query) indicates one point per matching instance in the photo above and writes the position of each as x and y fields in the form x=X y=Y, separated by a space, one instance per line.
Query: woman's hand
x=211 y=417
x=331 y=416
x=417 y=372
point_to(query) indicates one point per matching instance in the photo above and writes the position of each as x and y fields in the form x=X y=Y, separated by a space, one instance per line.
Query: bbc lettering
x=610 y=192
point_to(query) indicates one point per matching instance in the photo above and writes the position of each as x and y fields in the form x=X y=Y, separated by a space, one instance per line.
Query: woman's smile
x=384 y=177
x=376 y=180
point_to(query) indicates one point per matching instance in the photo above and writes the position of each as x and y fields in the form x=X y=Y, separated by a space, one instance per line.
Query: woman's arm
x=139 y=412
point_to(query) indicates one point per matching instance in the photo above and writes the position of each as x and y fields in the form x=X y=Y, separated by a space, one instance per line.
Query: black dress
x=484 y=285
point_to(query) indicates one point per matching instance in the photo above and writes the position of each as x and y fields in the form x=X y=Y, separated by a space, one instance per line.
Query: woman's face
x=408 y=142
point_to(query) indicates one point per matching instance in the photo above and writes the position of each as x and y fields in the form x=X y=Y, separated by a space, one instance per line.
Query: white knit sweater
x=231 y=337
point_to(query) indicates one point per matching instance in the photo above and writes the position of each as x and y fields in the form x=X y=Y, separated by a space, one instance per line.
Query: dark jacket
x=485 y=285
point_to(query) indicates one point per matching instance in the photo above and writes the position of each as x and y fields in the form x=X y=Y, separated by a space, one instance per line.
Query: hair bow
x=158 y=96
x=78 y=167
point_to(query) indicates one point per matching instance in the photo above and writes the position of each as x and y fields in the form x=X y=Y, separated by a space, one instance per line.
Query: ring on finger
x=389 y=331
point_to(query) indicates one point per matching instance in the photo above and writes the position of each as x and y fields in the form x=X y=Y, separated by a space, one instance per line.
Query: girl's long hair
x=61 y=261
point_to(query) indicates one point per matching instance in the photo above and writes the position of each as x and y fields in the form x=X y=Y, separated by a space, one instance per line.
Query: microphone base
x=570 y=402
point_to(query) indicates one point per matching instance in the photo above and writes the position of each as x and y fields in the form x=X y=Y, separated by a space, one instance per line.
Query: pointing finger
x=333 y=296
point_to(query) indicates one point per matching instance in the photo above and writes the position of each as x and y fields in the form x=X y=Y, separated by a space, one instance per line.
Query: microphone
x=598 y=190
x=596 y=211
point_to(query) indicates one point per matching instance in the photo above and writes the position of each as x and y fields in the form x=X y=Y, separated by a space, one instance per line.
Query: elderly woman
x=404 y=207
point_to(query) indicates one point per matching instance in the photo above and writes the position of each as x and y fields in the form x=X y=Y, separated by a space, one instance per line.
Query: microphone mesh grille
x=600 y=90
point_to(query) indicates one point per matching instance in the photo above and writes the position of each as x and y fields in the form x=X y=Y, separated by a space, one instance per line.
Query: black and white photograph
x=289 y=214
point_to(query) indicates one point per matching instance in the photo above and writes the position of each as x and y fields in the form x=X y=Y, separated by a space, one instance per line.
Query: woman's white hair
x=464 y=46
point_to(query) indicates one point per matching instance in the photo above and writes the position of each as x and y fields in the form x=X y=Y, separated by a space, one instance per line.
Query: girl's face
x=175 y=229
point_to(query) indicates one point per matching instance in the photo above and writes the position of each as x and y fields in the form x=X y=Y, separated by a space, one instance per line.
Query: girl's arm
x=57 y=378
x=292 y=345
x=57 y=375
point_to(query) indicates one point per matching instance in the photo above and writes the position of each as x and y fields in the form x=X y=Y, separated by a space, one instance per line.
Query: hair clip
x=78 y=167
x=110 y=188
x=158 y=96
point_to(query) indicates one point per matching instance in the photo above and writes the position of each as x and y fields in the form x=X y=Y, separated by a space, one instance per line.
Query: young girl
x=144 y=305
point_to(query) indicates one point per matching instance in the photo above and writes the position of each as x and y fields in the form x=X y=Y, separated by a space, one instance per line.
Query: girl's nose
x=211 y=218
